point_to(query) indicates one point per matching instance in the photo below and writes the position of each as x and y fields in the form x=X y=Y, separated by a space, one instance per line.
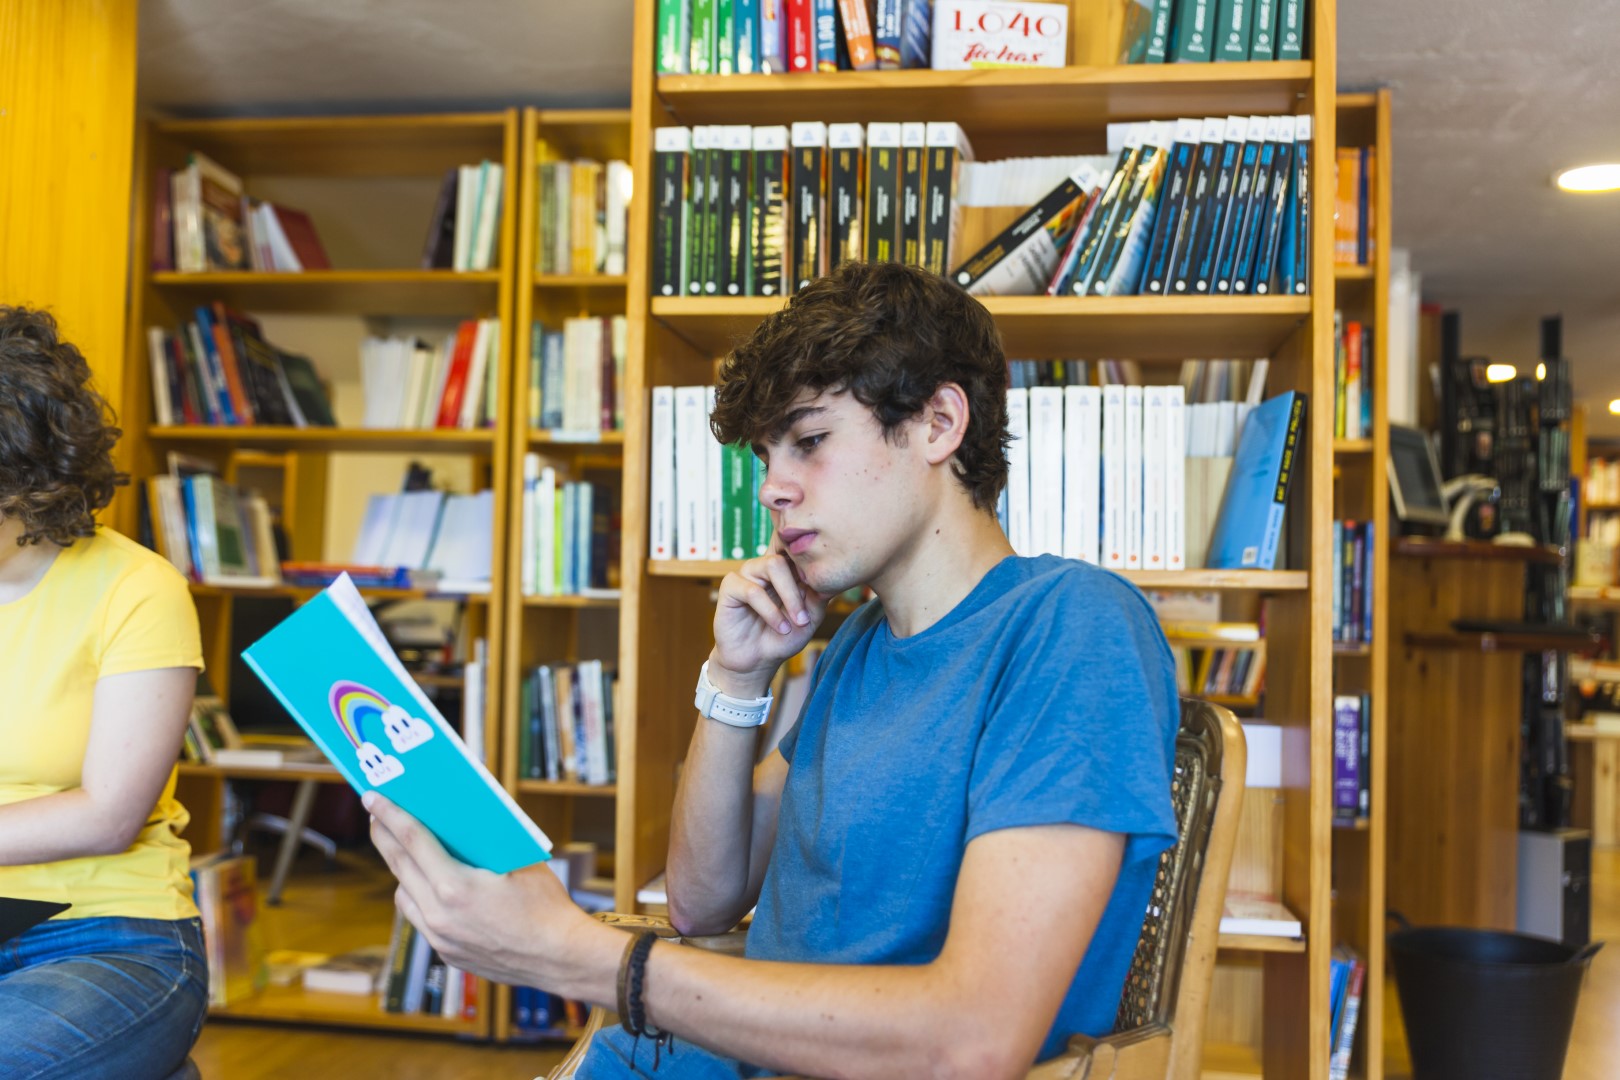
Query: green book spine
x=760 y=534
x=1232 y=29
x=1290 y=29
x=674 y=37
x=703 y=37
x=737 y=522
x=1263 y=34
x=725 y=38
x=1158 y=44
x=769 y=209
x=1191 y=43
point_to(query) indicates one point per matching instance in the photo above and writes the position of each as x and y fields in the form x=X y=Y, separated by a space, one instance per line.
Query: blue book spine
x=1346 y=756
x=1219 y=207
x=1367 y=587
x=886 y=33
x=1301 y=278
x=917 y=34
x=1271 y=224
x=1248 y=528
x=772 y=37
x=1171 y=203
x=1231 y=233
x=1254 y=221
x=222 y=392
x=824 y=22
x=746 y=16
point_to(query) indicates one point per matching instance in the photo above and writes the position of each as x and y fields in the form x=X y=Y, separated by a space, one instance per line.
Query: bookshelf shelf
x=1260 y=943
x=578 y=441
x=1265 y=581
x=330 y=440
x=294 y=1004
x=343 y=292
x=1348 y=447
x=579 y=602
x=1142 y=327
x=1340 y=649
x=305 y=592
x=1594 y=596
x=566 y=787
x=1352 y=272
x=1016 y=107
x=422 y=145
x=580 y=281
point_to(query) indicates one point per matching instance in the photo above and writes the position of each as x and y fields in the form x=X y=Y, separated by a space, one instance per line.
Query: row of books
x=213 y=532
x=464 y=233
x=763 y=211
x=1352 y=582
x=202 y=221
x=415 y=980
x=1224 y=660
x=704 y=496
x=566 y=727
x=1352 y=747
x=218 y=369
x=1354 y=205
x=1602 y=482
x=1218 y=206
x=408 y=382
x=747 y=37
x=584 y=216
x=1190 y=31
x=450 y=535
x=1352 y=378
x=570 y=534
x=1348 y=974
x=575 y=375
x=539 y=1014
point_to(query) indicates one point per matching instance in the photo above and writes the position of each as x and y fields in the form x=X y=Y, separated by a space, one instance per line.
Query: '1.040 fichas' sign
x=999 y=33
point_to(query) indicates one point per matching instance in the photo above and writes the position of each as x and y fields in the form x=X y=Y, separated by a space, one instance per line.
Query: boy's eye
x=810 y=442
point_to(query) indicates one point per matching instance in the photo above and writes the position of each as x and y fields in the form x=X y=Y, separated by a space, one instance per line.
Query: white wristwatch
x=735 y=712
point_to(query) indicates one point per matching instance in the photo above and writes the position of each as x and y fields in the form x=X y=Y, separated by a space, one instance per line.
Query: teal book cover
x=333 y=669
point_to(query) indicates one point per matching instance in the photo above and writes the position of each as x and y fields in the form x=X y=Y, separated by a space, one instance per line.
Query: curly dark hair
x=56 y=433
x=889 y=334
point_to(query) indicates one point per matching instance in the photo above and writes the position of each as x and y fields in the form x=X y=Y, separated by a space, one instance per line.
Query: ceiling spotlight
x=1541 y=372
x=1501 y=373
x=1614 y=406
x=1604 y=177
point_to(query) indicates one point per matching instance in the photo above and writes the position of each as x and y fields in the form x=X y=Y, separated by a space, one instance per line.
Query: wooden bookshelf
x=567 y=628
x=1361 y=492
x=338 y=155
x=666 y=611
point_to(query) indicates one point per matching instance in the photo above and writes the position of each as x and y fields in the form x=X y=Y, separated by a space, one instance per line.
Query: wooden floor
x=232 y=1050
x=1594 y=1045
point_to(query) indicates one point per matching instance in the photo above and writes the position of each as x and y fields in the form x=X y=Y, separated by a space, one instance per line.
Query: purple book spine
x=1346 y=756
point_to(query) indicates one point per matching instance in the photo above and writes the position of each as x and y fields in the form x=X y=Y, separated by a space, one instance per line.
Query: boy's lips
x=797 y=541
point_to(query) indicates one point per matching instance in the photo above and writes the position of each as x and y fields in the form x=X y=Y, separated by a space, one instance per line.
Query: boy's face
x=845 y=501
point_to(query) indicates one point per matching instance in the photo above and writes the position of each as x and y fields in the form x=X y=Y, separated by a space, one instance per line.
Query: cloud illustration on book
x=358 y=708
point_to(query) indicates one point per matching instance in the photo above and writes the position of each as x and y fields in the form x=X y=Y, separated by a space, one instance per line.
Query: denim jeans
x=109 y=997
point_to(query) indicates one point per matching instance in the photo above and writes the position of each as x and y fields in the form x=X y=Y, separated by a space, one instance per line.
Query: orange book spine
x=858 y=34
x=455 y=383
x=233 y=369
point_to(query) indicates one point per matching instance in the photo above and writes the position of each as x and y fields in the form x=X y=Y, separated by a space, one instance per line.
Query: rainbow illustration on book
x=359 y=710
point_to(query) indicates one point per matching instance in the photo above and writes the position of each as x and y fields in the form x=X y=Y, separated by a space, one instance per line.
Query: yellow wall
x=67 y=129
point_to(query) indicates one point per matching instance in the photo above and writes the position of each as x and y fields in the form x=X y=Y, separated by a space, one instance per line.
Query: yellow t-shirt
x=106 y=606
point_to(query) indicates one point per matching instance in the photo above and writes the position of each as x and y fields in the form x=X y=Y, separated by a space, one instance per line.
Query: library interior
x=851 y=537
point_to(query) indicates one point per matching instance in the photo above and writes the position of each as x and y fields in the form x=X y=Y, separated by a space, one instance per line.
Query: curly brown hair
x=56 y=433
x=889 y=334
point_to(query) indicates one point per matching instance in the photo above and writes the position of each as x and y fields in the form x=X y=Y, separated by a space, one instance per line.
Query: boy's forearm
x=710 y=834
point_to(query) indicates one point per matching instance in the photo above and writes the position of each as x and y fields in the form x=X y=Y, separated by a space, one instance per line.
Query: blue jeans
x=101 y=998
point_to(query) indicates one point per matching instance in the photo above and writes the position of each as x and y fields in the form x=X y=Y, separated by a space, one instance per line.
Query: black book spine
x=1220 y=198
x=1156 y=278
x=1242 y=193
x=1259 y=208
x=697 y=209
x=844 y=193
x=712 y=221
x=913 y=148
x=882 y=192
x=735 y=248
x=671 y=173
x=1271 y=225
x=1102 y=222
x=941 y=162
x=769 y=208
x=1185 y=247
x=987 y=258
x=1302 y=206
x=809 y=202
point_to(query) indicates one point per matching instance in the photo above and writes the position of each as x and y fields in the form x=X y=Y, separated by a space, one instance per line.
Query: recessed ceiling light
x=1501 y=372
x=1614 y=406
x=1604 y=177
x=1541 y=372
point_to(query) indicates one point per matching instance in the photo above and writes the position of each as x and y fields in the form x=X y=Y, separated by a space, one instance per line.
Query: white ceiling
x=1491 y=97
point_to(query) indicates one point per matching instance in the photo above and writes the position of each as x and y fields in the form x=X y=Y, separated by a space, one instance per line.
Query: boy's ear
x=947 y=416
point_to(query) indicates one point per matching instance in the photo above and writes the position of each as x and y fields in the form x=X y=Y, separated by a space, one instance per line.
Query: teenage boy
x=953 y=849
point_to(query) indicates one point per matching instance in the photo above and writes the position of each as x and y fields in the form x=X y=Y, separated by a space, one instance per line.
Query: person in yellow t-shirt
x=99 y=652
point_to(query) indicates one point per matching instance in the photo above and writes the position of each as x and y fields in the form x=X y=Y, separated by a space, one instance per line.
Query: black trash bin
x=1484 y=1003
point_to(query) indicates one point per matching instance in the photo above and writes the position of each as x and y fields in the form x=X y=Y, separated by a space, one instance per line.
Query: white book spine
x=1082 y=473
x=473 y=396
x=466 y=206
x=715 y=489
x=1175 y=479
x=1133 y=478
x=692 y=440
x=1113 y=471
x=1046 y=470
x=661 y=510
x=1154 y=437
x=489 y=216
x=157 y=353
x=1018 y=476
x=546 y=514
x=531 y=524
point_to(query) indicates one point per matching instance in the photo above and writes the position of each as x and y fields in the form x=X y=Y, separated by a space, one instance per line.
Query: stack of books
x=575 y=375
x=584 y=215
x=570 y=534
x=566 y=723
x=464 y=233
x=1352 y=379
x=218 y=369
x=1354 y=206
x=1195 y=31
x=409 y=383
x=430 y=532
x=203 y=221
x=213 y=532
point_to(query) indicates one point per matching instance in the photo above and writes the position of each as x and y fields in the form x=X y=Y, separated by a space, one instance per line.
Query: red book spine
x=455 y=383
x=800 y=36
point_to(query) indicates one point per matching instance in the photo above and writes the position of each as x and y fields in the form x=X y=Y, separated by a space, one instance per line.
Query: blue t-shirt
x=1047 y=696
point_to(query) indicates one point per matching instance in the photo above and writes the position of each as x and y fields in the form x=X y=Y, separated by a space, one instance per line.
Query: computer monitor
x=1414 y=477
